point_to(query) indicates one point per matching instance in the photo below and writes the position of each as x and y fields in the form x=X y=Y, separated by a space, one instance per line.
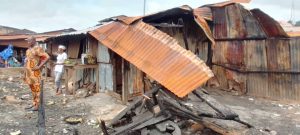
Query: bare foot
x=58 y=93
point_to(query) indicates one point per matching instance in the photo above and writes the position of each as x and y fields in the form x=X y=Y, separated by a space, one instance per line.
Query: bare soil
x=14 y=117
x=266 y=115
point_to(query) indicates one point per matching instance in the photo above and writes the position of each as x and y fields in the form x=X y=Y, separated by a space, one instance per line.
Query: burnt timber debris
x=159 y=111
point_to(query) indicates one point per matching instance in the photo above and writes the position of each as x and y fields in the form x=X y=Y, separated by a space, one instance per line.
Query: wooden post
x=124 y=82
x=67 y=79
x=74 y=79
x=41 y=112
x=97 y=78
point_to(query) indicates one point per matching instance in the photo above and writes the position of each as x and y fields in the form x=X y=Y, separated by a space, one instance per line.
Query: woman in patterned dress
x=36 y=57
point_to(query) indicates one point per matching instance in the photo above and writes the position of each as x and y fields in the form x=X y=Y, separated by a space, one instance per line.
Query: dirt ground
x=273 y=116
x=280 y=118
x=14 y=117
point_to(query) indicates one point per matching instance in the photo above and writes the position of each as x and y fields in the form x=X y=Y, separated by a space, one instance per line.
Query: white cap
x=62 y=47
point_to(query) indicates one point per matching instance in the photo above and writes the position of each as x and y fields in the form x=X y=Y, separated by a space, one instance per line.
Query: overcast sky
x=48 y=15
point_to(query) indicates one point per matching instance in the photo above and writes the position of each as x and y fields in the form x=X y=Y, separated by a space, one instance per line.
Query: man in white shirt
x=59 y=67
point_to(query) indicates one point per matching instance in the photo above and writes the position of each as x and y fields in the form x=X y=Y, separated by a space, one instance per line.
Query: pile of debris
x=86 y=90
x=161 y=112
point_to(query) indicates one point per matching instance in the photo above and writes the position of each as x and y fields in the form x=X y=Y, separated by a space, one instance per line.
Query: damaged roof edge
x=178 y=69
x=271 y=27
x=204 y=26
x=79 y=32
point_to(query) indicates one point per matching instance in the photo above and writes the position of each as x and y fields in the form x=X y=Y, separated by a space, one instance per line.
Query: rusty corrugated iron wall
x=265 y=68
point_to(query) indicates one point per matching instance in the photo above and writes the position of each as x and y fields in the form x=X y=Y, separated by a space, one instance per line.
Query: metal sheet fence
x=271 y=67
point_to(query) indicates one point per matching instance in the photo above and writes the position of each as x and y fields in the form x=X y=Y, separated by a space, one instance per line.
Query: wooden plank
x=135 y=81
x=224 y=127
x=139 y=120
x=73 y=49
x=175 y=33
x=93 y=46
x=124 y=82
x=202 y=51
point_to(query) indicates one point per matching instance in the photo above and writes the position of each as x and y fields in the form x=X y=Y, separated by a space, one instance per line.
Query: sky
x=48 y=15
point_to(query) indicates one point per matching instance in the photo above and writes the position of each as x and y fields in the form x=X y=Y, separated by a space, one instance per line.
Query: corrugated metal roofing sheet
x=128 y=20
x=221 y=4
x=271 y=27
x=235 y=22
x=204 y=12
x=18 y=37
x=204 y=26
x=78 y=32
x=157 y=54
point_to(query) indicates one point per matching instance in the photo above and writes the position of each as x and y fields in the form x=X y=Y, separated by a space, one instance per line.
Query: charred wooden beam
x=138 y=121
x=152 y=121
x=137 y=102
x=180 y=21
x=224 y=111
x=103 y=127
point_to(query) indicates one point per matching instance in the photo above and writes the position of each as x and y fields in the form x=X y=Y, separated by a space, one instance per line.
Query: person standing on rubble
x=36 y=58
x=59 y=67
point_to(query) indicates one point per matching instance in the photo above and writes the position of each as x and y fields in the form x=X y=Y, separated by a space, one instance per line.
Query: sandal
x=28 y=107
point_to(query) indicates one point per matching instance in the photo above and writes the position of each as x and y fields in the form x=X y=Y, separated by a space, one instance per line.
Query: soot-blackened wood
x=152 y=121
x=138 y=120
x=171 y=106
x=168 y=126
x=224 y=111
x=137 y=102
x=41 y=112
x=103 y=127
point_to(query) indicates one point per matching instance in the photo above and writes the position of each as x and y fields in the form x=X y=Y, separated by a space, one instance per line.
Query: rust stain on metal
x=271 y=27
x=235 y=54
x=157 y=54
x=204 y=26
x=220 y=23
x=235 y=22
x=204 y=12
x=128 y=20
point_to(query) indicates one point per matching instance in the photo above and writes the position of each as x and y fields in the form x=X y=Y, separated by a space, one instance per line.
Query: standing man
x=35 y=59
x=59 y=67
